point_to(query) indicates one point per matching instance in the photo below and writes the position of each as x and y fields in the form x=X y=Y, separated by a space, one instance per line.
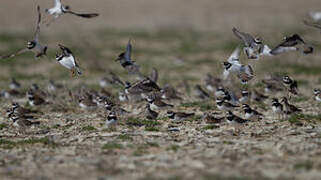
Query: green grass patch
x=125 y=137
x=152 y=128
x=131 y=121
x=306 y=165
x=173 y=147
x=204 y=106
x=112 y=145
x=3 y=126
x=208 y=127
x=11 y=144
x=296 y=118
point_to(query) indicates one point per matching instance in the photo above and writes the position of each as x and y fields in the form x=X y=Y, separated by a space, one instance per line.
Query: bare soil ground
x=184 y=40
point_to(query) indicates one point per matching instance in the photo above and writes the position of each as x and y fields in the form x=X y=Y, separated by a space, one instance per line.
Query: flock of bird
x=150 y=100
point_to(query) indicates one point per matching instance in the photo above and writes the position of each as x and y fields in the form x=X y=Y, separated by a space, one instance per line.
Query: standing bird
x=251 y=113
x=178 y=116
x=317 y=94
x=33 y=45
x=59 y=9
x=150 y=114
x=277 y=107
x=67 y=59
x=224 y=106
x=289 y=108
x=290 y=85
x=111 y=119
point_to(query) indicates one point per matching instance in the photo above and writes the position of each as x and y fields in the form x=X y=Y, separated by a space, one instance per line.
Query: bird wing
x=128 y=51
x=87 y=15
x=37 y=33
x=66 y=51
x=234 y=58
x=245 y=37
x=15 y=54
x=57 y=3
x=154 y=75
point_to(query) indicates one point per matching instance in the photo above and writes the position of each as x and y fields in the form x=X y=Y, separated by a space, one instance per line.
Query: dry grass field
x=184 y=40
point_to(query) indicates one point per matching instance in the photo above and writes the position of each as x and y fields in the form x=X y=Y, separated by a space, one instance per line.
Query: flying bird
x=292 y=43
x=67 y=59
x=33 y=45
x=126 y=62
x=59 y=9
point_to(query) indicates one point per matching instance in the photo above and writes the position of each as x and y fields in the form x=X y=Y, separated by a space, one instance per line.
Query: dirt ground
x=184 y=40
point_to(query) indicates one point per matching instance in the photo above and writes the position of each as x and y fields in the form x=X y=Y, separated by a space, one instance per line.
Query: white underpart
x=68 y=62
x=57 y=10
x=318 y=98
x=110 y=122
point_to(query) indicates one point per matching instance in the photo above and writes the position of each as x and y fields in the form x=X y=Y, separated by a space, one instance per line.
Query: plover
x=126 y=62
x=142 y=88
x=210 y=118
x=150 y=114
x=253 y=46
x=60 y=9
x=317 y=94
x=245 y=96
x=21 y=110
x=277 y=107
x=289 y=108
x=33 y=45
x=290 y=85
x=178 y=116
x=220 y=92
x=224 y=106
x=34 y=99
x=234 y=120
x=251 y=114
x=87 y=103
x=156 y=104
x=67 y=59
x=169 y=92
x=233 y=65
x=292 y=43
x=111 y=119
x=20 y=122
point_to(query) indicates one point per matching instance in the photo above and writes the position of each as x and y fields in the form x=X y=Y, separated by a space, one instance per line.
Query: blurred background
x=146 y=14
x=198 y=32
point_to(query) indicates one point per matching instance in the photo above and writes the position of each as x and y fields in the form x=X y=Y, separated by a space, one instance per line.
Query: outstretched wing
x=245 y=37
x=89 y=15
x=128 y=52
x=234 y=58
x=37 y=33
x=14 y=54
x=57 y=3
